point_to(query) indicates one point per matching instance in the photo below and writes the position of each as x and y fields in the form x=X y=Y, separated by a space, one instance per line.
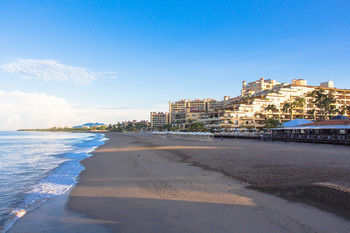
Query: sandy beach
x=141 y=183
x=147 y=184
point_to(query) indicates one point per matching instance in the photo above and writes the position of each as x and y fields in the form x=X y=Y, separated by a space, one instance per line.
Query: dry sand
x=138 y=183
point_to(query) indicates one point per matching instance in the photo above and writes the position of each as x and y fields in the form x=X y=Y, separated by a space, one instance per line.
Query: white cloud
x=51 y=70
x=37 y=110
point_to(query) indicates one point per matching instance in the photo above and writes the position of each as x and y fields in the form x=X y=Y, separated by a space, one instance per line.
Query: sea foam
x=56 y=181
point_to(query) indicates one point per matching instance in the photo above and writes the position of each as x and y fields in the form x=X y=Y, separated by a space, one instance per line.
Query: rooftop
x=328 y=122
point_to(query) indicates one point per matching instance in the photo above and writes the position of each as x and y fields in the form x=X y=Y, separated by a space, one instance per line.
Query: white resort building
x=259 y=100
x=250 y=110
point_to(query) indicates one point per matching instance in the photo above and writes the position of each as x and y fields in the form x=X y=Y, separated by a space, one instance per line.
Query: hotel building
x=180 y=111
x=159 y=119
x=249 y=109
x=257 y=86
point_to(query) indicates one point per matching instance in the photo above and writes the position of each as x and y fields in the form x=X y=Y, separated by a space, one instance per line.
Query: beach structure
x=243 y=134
x=340 y=117
x=328 y=131
x=330 y=122
x=195 y=136
x=159 y=119
x=296 y=122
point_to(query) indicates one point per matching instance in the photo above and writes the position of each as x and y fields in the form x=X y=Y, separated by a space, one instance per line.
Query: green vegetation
x=69 y=129
x=272 y=123
x=313 y=113
x=196 y=127
x=131 y=126
x=271 y=107
x=128 y=127
x=344 y=110
x=289 y=107
x=325 y=102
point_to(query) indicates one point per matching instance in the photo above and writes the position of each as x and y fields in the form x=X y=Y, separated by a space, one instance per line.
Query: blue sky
x=156 y=51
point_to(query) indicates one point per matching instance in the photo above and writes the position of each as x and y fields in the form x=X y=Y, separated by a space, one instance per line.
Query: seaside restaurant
x=336 y=134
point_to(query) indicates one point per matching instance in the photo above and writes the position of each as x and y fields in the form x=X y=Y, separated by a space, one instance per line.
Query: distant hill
x=88 y=125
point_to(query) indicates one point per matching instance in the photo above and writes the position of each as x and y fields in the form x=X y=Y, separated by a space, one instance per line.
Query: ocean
x=37 y=166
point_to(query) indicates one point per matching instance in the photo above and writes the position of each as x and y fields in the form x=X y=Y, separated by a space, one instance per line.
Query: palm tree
x=300 y=102
x=313 y=113
x=189 y=123
x=248 y=100
x=344 y=110
x=341 y=111
x=289 y=107
x=271 y=107
x=272 y=123
x=325 y=102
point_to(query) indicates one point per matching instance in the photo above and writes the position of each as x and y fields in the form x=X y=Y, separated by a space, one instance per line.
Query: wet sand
x=138 y=183
x=54 y=217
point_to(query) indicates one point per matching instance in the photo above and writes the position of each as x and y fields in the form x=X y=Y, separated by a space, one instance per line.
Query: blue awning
x=296 y=122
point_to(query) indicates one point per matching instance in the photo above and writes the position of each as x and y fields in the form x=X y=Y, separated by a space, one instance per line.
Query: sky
x=64 y=63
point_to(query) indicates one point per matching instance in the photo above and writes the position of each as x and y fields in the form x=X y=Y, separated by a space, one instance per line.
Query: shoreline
x=56 y=205
x=136 y=183
x=53 y=217
x=101 y=183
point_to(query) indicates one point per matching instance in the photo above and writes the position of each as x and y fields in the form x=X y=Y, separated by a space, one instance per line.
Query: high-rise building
x=159 y=119
x=257 y=86
x=178 y=109
x=259 y=101
x=252 y=110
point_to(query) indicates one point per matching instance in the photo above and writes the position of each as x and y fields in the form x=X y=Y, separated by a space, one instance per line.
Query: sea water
x=37 y=166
